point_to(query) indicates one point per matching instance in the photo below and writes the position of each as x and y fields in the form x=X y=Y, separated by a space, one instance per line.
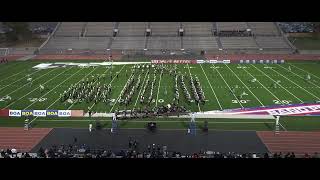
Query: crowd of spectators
x=151 y=151
x=296 y=27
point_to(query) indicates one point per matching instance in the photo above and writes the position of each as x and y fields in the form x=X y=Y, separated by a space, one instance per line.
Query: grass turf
x=216 y=81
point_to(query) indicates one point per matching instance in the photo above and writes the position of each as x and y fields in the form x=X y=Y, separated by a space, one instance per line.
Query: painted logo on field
x=64 y=113
x=40 y=113
x=15 y=113
x=52 y=113
x=27 y=112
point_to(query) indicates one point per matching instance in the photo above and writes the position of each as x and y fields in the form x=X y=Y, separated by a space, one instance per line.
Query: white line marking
x=158 y=89
x=228 y=86
x=141 y=89
x=211 y=87
x=279 y=84
x=55 y=87
x=190 y=76
x=20 y=80
x=304 y=71
x=37 y=88
x=244 y=84
x=296 y=84
x=264 y=86
x=11 y=76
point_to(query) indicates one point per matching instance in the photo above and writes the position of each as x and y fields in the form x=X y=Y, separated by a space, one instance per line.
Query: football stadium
x=159 y=90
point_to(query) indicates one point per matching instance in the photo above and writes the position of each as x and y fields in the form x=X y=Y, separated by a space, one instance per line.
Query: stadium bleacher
x=198 y=36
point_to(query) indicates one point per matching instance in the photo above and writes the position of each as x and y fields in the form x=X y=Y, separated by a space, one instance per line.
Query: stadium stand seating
x=132 y=28
x=197 y=28
x=263 y=28
x=98 y=29
x=164 y=28
x=238 y=43
x=198 y=37
x=199 y=43
x=71 y=29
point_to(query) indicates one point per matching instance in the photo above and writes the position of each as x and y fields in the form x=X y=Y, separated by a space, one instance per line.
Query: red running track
x=21 y=139
x=291 y=141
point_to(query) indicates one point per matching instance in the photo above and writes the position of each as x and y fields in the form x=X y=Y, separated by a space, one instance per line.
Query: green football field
x=217 y=80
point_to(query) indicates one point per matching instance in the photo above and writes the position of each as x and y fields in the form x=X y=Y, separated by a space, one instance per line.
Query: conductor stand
x=114 y=124
x=192 y=125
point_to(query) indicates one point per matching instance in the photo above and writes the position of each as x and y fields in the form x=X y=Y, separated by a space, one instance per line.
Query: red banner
x=4 y=112
x=173 y=61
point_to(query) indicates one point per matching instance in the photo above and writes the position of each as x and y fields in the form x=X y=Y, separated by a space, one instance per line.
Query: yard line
x=135 y=104
x=279 y=84
x=263 y=86
x=75 y=84
x=11 y=76
x=228 y=86
x=158 y=89
x=118 y=96
x=108 y=84
x=37 y=88
x=28 y=83
x=211 y=87
x=19 y=80
x=296 y=84
x=245 y=85
x=298 y=76
x=191 y=76
x=304 y=70
x=55 y=87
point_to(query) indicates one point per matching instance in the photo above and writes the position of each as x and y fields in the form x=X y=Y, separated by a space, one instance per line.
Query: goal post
x=277 y=125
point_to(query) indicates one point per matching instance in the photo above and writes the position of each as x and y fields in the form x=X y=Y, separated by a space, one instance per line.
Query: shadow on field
x=268 y=126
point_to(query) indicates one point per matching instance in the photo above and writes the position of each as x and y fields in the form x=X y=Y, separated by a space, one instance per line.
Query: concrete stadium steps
x=238 y=43
x=272 y=42
x=76 y=57
x=72 y=29
x=291 y=141
x=231 y=26
x=128 y=43
x=164 y=43
x=100 y=29
x=77 y=43
x=20 y=139
x=200 y=43
x=197 y=28
x=132 y=28
x=263 y=28
x=164 y=28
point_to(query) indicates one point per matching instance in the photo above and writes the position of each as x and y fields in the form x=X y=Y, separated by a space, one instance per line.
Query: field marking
x=120 y=93
x=110 y=83
x=263 y=86
x=21 y=79
x=296 y=84
x=191 y=76
x=158 y=88
x=304 y=71
x=55 y=87
x=209 y=122
x=69 y=86
x=11 y=76
x=245 y=85
x=279 y=84
x=135 y=104
x=211 y=87
x=37 y=87
x=282 y=126
x=299 y=76
x=228 y=86
x=28 y=83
